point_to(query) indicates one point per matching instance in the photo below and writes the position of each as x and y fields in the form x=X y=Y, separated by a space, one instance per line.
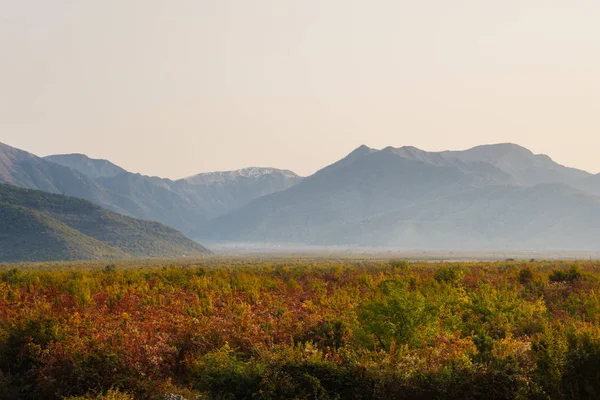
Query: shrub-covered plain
x=301 y=330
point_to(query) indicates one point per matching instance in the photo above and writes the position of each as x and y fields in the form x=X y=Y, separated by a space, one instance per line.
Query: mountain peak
x=500 y=150
x=410 y=151
x=92 y=168
x=361 y=150
x=526 y=167
x=250 y=173
x=9 y=151
x=494 y=154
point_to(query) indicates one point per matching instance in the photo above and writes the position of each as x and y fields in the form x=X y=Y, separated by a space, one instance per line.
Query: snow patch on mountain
x=251 y=173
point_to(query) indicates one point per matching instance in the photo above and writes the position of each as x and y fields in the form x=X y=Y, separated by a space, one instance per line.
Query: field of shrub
x=301 y=330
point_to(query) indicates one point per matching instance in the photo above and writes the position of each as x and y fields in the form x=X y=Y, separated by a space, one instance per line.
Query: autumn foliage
x=301 y=330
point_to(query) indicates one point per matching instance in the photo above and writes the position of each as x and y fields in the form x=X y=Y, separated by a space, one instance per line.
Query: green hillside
x=38 y=226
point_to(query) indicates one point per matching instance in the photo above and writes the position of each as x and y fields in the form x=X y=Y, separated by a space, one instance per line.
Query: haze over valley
x=491 y=197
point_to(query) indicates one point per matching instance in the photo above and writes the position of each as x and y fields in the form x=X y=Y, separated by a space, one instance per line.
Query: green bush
x=570 y=275
x=112 y=394
x=226 y=376
x=399 y=316
x=313 y=380
x=452 y=275
x=581 y=378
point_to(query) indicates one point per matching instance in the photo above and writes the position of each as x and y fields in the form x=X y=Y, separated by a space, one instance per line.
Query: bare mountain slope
x=26 y=170
x=184 y=204
x=409 y=198
x=520 y=163
x=90 y=167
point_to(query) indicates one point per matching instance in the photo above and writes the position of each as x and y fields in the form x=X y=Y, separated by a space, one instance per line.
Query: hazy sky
x=176 y=87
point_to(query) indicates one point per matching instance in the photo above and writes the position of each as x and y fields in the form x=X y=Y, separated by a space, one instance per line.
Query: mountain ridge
x=248 y=172
x=176 y=203
x=389 y=197
x=91 y=167
x=371 y=196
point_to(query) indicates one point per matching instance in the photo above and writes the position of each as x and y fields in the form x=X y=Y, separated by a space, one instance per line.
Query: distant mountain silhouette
x=41 y=226
x=26 y=170
x=183 y=204
x=525 y=167
x=488 y=197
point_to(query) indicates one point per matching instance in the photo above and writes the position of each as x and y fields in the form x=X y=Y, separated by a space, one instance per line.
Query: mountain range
x=41 y=226
x=499 y=196
x=183 y=204
x=488 y=197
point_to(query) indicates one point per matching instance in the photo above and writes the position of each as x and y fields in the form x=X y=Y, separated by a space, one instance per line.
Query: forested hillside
x=38 y=226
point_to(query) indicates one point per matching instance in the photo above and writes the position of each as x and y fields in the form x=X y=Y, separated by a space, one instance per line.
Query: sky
x=174 y=88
